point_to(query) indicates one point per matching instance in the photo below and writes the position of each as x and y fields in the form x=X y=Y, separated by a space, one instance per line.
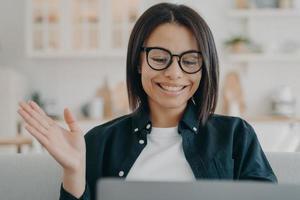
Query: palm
x=66 y=146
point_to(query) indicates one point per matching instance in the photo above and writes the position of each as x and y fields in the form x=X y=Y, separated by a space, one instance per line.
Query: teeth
x=172 y=88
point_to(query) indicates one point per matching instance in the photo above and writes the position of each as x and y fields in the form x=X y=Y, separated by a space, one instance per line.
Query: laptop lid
x=118 y=189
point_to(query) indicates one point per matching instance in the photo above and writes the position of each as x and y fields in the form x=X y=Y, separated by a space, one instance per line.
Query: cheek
x=196 y=82
x=146 y=76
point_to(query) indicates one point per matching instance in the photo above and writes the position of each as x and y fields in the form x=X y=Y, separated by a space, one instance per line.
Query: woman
x=172 y=134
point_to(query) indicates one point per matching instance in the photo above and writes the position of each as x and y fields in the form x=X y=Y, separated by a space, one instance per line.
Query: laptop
x=118 y=189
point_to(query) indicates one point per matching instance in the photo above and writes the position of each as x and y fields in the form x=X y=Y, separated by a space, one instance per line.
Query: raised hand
x=66 y=146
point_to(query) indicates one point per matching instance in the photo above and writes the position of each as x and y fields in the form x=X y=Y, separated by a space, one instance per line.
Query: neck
x=165 y=117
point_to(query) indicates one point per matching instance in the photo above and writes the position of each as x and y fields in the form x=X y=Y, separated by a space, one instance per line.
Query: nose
x=173 y=71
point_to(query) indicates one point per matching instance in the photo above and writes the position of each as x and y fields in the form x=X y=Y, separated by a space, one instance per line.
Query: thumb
x=70 y=120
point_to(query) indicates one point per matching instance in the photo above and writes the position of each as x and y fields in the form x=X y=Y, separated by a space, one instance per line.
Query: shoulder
x=232 y=133
x=228 y=121
x=225 y=120
x=235 y=126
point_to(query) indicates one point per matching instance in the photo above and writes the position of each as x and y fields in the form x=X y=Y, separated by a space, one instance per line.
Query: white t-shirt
x=162 y=159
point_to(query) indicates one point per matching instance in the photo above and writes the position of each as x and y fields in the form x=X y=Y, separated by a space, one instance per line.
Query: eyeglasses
x=159 y=59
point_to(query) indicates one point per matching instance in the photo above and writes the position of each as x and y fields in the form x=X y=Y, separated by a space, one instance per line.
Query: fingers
x=34 y=116
x=38 y=109
x=70 y=120
x=32 y=122
x=35 y=133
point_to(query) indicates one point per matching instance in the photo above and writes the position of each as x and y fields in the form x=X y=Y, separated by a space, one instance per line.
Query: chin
x=173 y=104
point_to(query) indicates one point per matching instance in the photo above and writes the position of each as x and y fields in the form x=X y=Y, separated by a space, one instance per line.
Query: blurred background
x=72 y=53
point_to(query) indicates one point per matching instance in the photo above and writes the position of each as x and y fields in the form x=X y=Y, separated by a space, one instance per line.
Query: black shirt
x=224 y=148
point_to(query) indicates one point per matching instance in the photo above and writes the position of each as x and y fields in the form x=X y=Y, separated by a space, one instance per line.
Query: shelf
x=273 y=118
x=253 y=57
x=264 y=13
x=84 y=54
x=17 y=140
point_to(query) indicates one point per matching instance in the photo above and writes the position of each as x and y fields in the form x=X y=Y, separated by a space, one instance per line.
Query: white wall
x=73 y=81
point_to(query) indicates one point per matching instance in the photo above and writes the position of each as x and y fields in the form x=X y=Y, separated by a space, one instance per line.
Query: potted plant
x=238 y=44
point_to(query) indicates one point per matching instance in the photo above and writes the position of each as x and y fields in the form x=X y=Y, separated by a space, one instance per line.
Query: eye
x=159 y=59
x=189 y=62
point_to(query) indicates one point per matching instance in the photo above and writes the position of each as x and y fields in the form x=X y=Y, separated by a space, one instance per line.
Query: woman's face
x=170 y=88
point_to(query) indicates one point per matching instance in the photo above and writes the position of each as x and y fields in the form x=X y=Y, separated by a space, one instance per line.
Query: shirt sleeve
x=250 y=160
x=65 y=195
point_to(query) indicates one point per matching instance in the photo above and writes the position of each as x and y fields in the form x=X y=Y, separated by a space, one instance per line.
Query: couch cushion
x=29 y=177
x=286 y=166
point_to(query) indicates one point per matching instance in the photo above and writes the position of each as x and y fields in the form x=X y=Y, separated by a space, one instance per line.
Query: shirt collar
x=141 y=119
x=190 y=117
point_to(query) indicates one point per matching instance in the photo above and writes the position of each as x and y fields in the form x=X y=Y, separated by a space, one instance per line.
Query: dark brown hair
x=206 y=95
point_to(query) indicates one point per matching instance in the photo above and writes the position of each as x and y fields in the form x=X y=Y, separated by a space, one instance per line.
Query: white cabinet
x=12 y=90
x=79 y=27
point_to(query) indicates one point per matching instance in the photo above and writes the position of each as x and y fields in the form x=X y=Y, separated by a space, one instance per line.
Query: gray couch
x=38 y=177
x=29 y=177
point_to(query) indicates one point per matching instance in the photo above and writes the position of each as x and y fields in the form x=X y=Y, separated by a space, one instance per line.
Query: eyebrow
x=162 y=48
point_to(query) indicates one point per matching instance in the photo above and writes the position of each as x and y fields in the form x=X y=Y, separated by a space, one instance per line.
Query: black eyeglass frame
x=148 y=49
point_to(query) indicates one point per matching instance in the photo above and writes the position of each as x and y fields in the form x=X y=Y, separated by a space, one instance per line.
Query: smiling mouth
x=171 y=88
